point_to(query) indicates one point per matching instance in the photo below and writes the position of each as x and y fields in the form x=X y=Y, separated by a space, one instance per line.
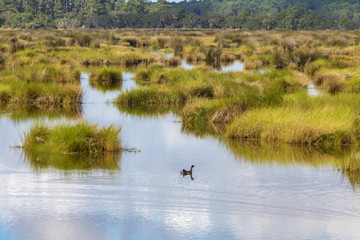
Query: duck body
x=186 y=172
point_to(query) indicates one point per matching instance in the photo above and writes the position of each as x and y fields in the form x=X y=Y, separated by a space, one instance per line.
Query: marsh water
x=240 y=190
x=234 y=66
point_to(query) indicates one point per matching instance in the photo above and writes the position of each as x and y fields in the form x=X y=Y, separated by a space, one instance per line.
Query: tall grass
x=19 y=94
x=79 y=138
x=48 y=73
x=153 y=95
x=5 y=94
x=106 y=77
x=325 y=128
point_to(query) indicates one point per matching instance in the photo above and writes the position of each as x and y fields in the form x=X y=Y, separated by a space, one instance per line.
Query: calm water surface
x=235 y=66
x=312 y=91
x=232 y=195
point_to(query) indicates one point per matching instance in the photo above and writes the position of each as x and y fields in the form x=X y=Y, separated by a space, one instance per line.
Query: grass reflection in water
x=38 y=160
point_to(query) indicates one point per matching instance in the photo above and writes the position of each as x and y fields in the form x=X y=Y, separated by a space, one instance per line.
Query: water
x=239 y=191
x=188 y=66
x=312 y=91
x=235 y=66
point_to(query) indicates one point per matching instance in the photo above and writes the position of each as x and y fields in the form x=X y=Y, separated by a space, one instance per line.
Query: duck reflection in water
x=186 y=172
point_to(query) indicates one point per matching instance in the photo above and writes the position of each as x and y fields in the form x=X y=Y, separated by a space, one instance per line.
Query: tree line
x=235 y=14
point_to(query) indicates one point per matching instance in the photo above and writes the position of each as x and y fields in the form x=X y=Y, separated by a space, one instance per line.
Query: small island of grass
x=106 y=78
x=79 y=138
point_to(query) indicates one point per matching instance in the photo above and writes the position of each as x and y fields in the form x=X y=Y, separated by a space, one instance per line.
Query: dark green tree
x=348 y=24
x=212 y=20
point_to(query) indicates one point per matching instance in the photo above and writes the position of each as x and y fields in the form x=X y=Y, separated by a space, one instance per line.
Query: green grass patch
x=106 y=78
x=48 y=73
x=325 y=128
x=79 y=138
x=152 y=95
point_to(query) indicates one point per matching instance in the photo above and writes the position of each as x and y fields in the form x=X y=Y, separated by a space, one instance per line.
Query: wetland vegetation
x=79 y=138
x=267 y=101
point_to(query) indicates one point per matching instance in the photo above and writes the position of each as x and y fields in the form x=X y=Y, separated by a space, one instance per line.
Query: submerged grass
x=79 y=138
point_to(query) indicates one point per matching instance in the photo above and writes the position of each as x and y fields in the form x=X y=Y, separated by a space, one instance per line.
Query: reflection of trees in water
x=40 y=160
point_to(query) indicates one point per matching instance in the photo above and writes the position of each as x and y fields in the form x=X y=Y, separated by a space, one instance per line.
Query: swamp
x=95 y=126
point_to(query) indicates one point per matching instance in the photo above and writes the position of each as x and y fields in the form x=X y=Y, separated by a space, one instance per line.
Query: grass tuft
x=79 y=138
x=106 y=78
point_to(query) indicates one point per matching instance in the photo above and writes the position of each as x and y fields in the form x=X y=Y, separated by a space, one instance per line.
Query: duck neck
x=191 y=168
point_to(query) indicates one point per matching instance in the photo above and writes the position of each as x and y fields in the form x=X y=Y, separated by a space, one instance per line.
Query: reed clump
x=323 y=128
x=3 y=60
x=79 y=138
x=152 y=95
x=151 y=75
x=48 y=73
x=16 y=45
x=5 y=94
x=15 y=94
x=331 y=82
x=106 y=77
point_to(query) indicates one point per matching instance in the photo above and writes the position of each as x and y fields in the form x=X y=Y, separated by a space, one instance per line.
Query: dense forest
x=235 y=14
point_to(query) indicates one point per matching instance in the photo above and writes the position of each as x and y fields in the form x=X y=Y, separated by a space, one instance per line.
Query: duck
x=186 y=172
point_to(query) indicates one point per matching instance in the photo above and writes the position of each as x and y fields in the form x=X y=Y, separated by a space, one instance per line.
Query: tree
x=253 y=22
x=190 y=20
x=270 y=21
x=8 y=8
x=159 y=6
x=137 y=6
x=246 y=14
x=95 y=13
x=58 y=10
x=289 y=19
x=212 y=20
x=348 y=24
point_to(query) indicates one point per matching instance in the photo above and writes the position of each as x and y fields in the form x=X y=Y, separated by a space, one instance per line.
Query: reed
x=324 y=128
x=79 y=138
x=48 y=73
x=106 y=77
x=17 y=94
x=152 y=95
